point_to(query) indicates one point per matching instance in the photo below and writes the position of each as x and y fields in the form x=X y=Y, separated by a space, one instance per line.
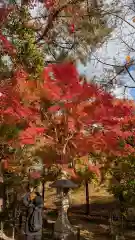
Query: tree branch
x=65 y=145
x=52 y=16
x=129 y=74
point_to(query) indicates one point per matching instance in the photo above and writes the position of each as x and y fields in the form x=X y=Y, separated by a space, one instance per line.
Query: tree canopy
x=48 y=110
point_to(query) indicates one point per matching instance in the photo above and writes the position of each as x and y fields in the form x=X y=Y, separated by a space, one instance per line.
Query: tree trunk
x=43 y=190
x=87 y=197
x=4 y=195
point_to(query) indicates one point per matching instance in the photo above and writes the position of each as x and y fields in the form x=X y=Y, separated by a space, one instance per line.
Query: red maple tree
x=68 y=116
x=72 y=118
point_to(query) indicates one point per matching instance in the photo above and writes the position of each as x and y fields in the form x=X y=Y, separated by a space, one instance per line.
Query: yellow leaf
x=128 y=58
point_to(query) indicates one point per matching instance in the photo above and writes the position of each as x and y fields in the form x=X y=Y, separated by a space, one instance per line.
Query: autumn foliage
x=70 y=117
x=65 y=116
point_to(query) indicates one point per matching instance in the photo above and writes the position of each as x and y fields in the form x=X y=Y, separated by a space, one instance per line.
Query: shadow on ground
x=93 y=226
x=97 y=221
x=96 y=208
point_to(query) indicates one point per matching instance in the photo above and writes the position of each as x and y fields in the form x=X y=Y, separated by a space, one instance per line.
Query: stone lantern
x=63 y=230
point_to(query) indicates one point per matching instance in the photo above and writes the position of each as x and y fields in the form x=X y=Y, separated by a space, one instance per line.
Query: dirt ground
x=95 y=225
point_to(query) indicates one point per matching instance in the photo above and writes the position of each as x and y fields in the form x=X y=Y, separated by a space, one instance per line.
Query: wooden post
x=78 y=233
x=29 y=180
x=87 y=196
x=43 y=190
x=43 y=184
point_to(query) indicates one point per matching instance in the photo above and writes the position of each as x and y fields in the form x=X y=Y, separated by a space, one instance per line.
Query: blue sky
x=114 y=51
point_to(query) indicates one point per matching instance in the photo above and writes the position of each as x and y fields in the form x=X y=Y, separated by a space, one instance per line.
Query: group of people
x=31 y=221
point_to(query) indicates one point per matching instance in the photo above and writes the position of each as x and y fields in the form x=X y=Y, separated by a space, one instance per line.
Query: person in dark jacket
x=34 y=206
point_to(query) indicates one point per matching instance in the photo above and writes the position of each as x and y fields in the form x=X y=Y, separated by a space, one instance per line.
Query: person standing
x=34 y=216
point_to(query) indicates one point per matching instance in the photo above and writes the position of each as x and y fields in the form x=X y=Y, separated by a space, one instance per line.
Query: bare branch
x=129 y=74
x=52 y=16
x=131 y=48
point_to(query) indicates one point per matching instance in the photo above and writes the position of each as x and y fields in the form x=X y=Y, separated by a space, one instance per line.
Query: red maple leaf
x=4 y=12
x=64 y=75
x=94 y=169
x=27 y=141
x=7 y=46
x=71 y=173
x=28 y=136
x=54 y=109
x=35 y=175
x=71 y=124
